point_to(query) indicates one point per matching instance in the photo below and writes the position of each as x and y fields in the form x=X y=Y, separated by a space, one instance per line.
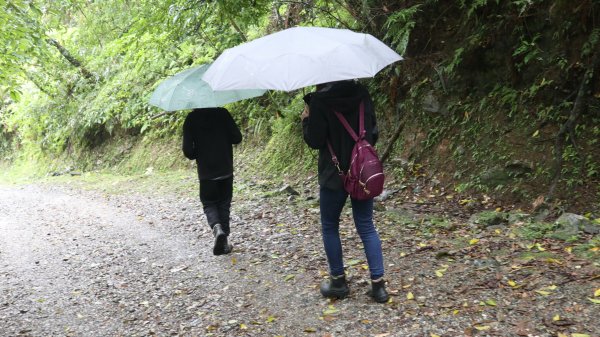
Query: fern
x=399 y=25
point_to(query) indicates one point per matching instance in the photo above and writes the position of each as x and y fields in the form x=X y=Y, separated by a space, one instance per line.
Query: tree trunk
x=388 y=149
x=568 y=127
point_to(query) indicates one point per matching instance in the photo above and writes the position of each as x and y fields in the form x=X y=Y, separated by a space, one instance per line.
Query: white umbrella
x=187 y=90
x=299 y=57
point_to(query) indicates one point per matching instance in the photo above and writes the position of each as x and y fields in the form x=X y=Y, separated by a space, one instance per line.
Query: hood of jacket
x=345 y=96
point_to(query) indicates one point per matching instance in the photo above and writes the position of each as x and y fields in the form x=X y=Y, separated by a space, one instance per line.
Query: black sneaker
x=335 y=287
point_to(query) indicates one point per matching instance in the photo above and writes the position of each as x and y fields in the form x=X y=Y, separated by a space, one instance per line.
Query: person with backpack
x=208 y=135
x=324 y=130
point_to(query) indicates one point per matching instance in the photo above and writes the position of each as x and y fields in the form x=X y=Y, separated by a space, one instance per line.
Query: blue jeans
x=331 y=204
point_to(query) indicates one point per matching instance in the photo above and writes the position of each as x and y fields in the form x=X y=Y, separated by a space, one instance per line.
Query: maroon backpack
x=364 y=179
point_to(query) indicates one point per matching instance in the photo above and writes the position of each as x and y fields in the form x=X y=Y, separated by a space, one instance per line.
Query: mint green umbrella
x=187 y=90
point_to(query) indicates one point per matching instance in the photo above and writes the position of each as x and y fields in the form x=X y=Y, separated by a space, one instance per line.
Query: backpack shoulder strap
x=361 y=123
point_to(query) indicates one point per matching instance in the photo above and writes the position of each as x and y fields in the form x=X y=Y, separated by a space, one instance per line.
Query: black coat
x=322 y=124
x=208 y=135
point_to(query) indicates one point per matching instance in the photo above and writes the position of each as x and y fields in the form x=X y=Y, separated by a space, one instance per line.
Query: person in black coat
x=208 y=135
x=320 y=125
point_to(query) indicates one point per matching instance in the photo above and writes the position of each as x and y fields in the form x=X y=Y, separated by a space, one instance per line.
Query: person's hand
x=305 y=113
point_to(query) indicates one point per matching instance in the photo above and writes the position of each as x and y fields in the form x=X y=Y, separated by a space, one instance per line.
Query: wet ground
x=77 y=262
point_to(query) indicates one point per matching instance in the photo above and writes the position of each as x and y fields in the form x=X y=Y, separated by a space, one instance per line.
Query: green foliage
x=398 y=27
x=286 y=153
x=504 y=76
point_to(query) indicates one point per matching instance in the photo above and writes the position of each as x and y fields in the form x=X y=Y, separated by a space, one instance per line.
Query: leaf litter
x=446 y=278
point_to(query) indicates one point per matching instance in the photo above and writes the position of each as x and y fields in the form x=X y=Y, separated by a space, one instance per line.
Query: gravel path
x=89 y=263
x=76 y=263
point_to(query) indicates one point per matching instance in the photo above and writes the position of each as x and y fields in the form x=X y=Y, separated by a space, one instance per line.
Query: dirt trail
x=87 y=263
x=75 y=263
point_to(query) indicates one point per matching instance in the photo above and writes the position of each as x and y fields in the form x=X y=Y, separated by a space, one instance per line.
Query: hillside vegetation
x=494 y=97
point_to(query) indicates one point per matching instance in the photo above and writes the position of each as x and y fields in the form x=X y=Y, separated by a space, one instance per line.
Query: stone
x=487 y=219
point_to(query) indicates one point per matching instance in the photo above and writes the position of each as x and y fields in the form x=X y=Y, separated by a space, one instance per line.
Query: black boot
x=378 y=292
x=335 y=286
x=221 y=245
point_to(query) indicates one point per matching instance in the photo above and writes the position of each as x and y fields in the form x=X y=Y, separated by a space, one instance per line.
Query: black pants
x=215 y=196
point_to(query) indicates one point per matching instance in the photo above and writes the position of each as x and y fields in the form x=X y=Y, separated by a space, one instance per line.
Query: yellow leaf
x=499 y=209
x=595 y=249
x=536 y=133
x=568 y=249
x=270 y=319
x=491 y=302
x=455 y=312
x=310 y=330
x=330 y=311
x=289 y=277
x=556 y=318
x=473 y=241
x=551 y=260
x=552 y=287
x=465 y=201
x=497 y=231
x=512 y=283
x=560 y=334
x=539 y=247
x=410 y=296
x=542 y=292
x=597 y=292
x=439 y=273
x=422 y=244
x=579 y=335
x=434 y=335
x=233 y=260
x=593 y=300
x=482 y=327
x=243 y=326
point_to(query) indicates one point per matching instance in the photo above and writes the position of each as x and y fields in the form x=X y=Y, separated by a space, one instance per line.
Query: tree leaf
x=597 y=293
x=593 y=300
x=410 y=296
x=491 y=302
x=353 y=262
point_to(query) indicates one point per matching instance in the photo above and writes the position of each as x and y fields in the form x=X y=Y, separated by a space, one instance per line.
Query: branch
x=322 y=9
x=237 y=28
x=161 y=114
x=72 y=60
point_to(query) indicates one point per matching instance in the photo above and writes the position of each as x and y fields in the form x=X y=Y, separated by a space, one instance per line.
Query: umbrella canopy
x=187 y=90
x=298 y=57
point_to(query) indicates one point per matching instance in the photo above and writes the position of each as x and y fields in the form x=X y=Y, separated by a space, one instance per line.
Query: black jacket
x=207 y=137
x=322 y=124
